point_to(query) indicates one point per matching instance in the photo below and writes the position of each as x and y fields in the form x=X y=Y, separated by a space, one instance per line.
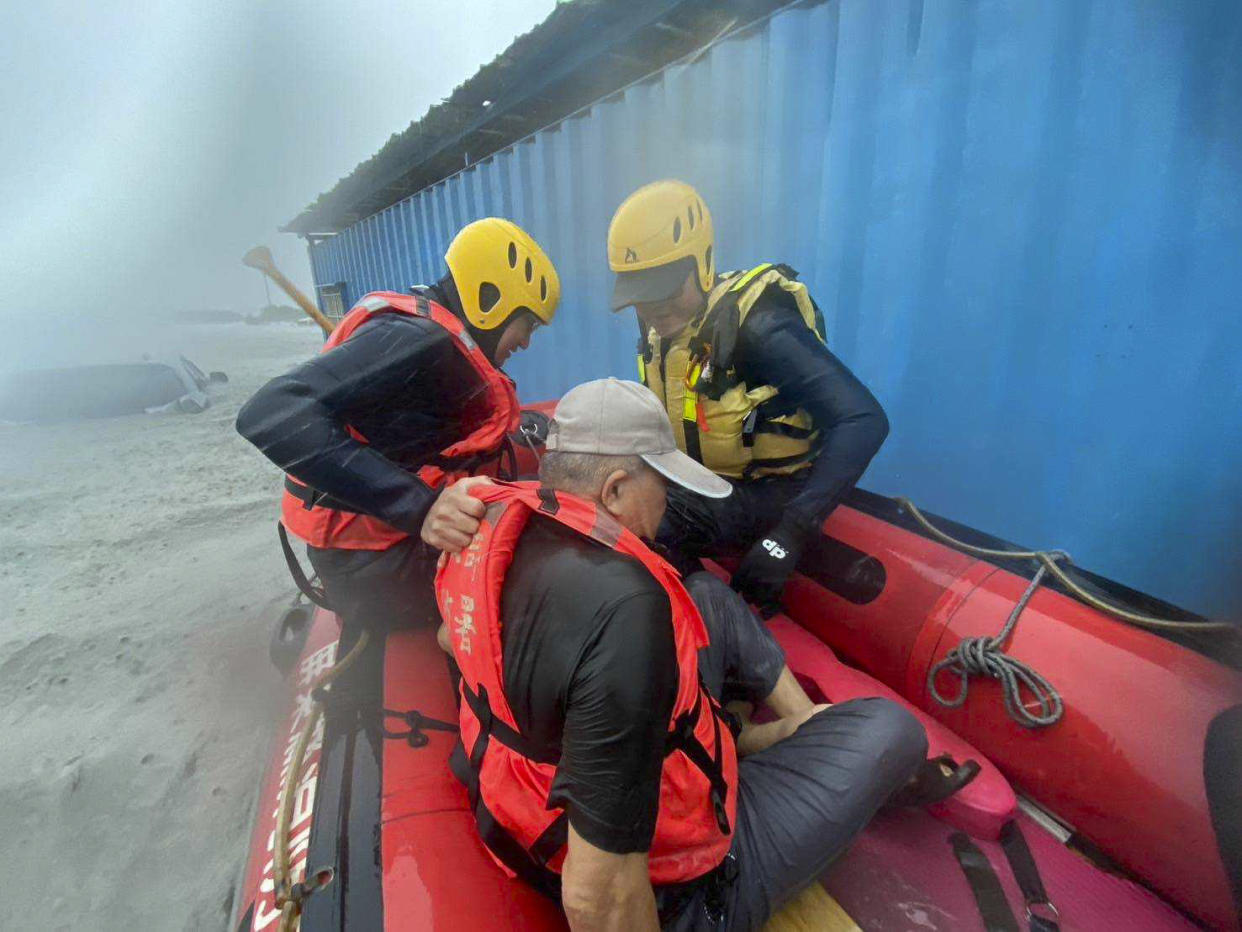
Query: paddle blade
x=259 y=258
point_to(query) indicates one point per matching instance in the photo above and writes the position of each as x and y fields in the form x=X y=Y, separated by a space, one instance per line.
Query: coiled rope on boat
x=985 y=656
x=290 y=896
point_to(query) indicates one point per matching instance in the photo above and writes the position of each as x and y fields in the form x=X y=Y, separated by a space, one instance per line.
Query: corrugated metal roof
x=582 y=51
x=1021 y=220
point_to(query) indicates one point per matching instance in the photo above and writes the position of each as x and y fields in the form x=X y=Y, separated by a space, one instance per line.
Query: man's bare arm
x=755 y=738
x=604 y=892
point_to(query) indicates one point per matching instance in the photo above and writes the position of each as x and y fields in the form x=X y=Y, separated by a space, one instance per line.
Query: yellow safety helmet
x=653 y=230
x=499 y=269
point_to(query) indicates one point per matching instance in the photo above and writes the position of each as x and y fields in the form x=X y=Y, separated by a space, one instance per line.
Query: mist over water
x=146 y=147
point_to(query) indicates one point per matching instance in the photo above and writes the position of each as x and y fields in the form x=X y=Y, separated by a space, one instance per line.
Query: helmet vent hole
x=489 y=294
x=677 y=230
x=707 y=261
x=530 y=271
x=513 y=255
x=543 y=288
x=699 y=205
x=690 y=216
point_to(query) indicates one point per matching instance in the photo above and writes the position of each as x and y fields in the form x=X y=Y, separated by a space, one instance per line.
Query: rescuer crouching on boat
x=407 y=395
x=600 y=763
x=740 y=364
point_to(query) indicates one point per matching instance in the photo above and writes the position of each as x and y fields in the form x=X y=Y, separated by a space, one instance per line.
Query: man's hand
x=454 y=516
x=755 y=738
x=761 y=576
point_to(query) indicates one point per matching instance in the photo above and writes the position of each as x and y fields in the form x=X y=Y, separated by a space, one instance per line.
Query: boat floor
x=901 y=874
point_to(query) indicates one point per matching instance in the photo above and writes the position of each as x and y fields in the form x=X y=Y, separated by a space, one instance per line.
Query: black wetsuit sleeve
x=776 y=348
x=616 y=719
x=298 y=420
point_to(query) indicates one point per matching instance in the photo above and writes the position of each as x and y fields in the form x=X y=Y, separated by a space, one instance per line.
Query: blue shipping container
x=1023 y=222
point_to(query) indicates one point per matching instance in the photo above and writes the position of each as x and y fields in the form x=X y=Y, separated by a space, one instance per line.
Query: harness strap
x=313 y=498
x=1042 y=915
x=759 y=423
x=312 y=592
x=554 y=838
x=494 y=835
x=984 y=884
x=776 y=462
x=682 y=738
x=497 y=729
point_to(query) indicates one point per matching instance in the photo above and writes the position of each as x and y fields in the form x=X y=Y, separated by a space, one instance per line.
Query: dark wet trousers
x=802 y=800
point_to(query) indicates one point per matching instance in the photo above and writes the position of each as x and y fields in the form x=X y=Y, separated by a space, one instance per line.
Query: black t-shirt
x=590 y=668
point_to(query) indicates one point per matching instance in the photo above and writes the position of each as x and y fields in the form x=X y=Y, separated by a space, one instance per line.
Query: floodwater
x=140 y=576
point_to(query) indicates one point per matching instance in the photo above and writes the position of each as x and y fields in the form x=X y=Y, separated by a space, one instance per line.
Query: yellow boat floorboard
x=812 y=910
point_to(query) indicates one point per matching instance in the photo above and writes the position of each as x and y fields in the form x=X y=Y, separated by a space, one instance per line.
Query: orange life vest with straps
x=325 y=522
x=509 y=780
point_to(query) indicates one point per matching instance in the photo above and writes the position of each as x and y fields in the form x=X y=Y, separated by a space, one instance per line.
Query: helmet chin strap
x=488 y=340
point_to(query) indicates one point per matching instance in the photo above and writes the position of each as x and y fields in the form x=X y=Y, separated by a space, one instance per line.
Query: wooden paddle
x=261 y=258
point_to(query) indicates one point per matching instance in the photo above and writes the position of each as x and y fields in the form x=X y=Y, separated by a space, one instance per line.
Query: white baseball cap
x=616 y=418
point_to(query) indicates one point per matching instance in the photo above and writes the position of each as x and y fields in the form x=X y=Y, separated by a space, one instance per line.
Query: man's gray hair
x=584 y=473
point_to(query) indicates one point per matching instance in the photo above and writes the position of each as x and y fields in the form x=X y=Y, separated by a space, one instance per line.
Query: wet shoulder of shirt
x=560 y=594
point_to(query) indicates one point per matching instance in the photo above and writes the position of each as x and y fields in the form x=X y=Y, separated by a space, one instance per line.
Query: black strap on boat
x=984 y=884
x=308 y=589
x=1040 y=912
x=415 y=722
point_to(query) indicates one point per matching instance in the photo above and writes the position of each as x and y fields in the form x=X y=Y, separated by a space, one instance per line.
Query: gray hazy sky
x=146 y=145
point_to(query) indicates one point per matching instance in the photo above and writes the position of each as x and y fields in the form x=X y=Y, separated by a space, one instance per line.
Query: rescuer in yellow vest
x=753 y=393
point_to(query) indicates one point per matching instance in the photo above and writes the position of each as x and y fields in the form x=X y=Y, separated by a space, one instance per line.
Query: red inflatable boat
x=1122 y=800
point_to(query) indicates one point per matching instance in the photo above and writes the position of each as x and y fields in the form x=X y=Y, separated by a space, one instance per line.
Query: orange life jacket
x=509 y=779
x=324 y=522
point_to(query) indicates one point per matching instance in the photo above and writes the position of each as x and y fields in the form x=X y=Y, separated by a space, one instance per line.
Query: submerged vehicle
x=1111 y=746
x=49 y=396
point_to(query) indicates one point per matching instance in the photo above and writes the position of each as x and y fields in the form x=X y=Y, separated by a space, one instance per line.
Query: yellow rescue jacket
x=734 y=429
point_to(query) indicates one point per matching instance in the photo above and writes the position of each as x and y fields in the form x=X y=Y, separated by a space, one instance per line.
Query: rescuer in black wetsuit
x=751 y=389
x=408 y=386
x=402 y=380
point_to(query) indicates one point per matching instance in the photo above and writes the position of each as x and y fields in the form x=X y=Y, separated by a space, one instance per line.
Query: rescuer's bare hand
x=454 y=516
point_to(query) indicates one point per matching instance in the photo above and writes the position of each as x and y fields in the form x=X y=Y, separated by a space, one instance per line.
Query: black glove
x=761 y=576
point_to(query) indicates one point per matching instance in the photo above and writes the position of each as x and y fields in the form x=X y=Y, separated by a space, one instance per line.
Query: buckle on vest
x=748 y=427
x=718 y=883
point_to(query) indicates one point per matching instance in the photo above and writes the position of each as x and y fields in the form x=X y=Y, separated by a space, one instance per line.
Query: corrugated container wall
x=1023 y=222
